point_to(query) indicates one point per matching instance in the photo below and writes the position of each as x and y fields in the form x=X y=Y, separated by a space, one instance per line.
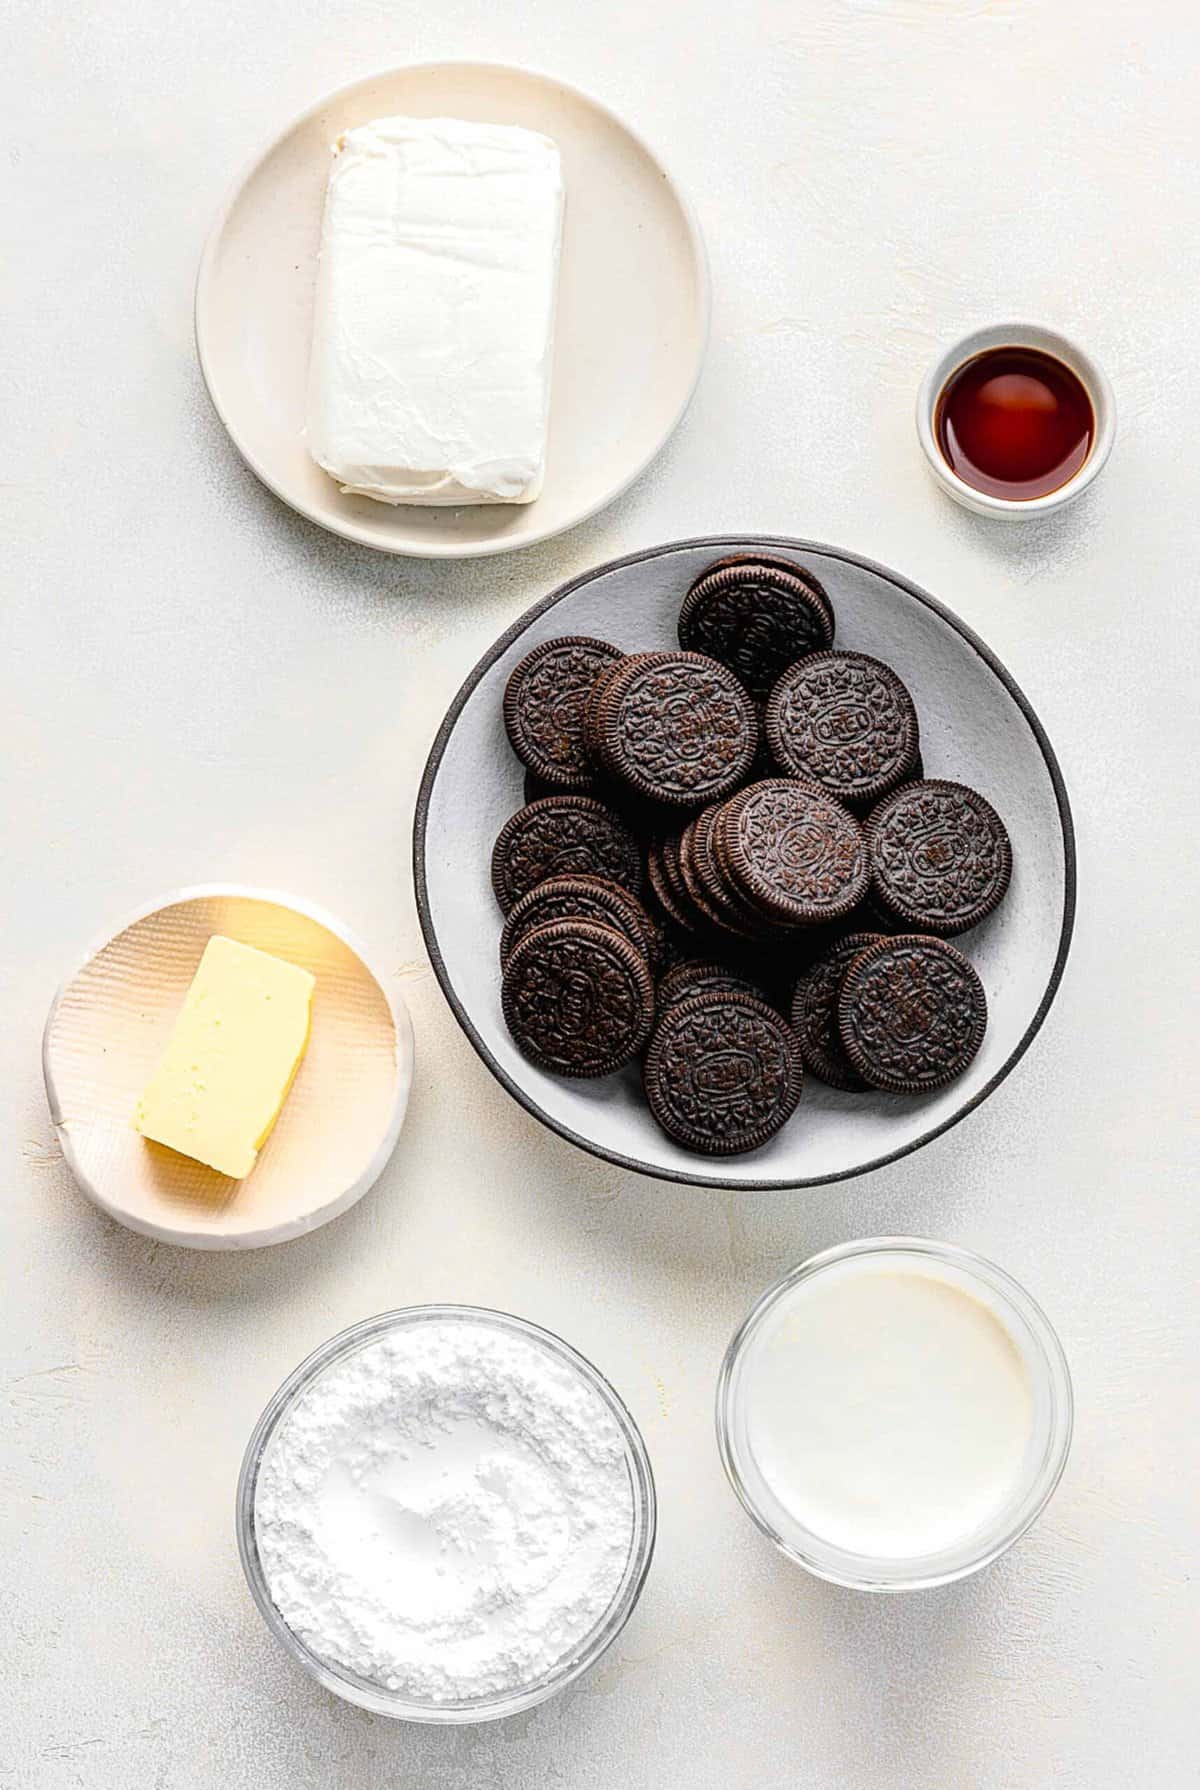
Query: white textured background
x=198 y=686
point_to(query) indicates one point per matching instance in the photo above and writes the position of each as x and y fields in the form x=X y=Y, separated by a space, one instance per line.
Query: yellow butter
x=231 y=1058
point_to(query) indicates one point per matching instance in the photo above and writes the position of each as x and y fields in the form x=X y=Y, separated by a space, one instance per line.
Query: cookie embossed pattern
x=591 y=898
x=562 y=836
x=847 y=720
x=578 y=997
x=723 y=1073
x=794 y=852
x=757 y=615
x=678 y=728
x=543 y=708
x=940 y=856
x=911 y=1014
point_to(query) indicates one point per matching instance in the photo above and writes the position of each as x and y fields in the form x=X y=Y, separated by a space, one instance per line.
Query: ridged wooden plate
x=339 y=1124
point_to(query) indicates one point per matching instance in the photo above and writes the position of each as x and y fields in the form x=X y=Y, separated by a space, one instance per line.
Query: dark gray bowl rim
x=741 y=543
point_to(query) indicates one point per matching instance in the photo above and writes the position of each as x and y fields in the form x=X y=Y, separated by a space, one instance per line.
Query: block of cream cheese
x=433 y=324
x=231 y=1058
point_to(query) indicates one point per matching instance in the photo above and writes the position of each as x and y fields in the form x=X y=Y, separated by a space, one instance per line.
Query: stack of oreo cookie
x=731 y=865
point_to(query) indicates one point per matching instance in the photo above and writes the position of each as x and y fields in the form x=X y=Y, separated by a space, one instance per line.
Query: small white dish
x=339 y=1123
x=632 y=313
x=976 y=727
x=1016 y=335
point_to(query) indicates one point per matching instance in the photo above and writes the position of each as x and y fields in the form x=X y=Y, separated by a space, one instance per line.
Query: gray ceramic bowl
x=976 y=727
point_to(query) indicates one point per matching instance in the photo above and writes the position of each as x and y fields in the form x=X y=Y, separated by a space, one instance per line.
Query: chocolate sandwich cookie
x=911 y=1013
x=533 y=787
x=673 y=945
x=563 y=836
x=577 y=998
x=705 y=918
x=544 y=704
x=677 y=728
x=676 y=911
x=722 y=1074
x=701 y=976
x=757 y=615
x=592 y=710
x=668 y=857
x=764 y=760
x=940 y=856
x=708 y=874
x=715 y=835
x=738 y=916
x=716 y=916
x=845 y=720
x=776 y=562
x=815 y=1012
x=751 y=565
x=798 y=856
x=591 y=898
x=871 y=916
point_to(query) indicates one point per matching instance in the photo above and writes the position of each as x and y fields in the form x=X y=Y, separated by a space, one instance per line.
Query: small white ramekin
x=1016 y=335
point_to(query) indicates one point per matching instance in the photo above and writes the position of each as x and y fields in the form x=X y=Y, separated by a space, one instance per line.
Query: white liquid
x=887 y=1410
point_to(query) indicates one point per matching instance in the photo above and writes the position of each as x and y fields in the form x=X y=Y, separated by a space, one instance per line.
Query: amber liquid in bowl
x=1014 y=423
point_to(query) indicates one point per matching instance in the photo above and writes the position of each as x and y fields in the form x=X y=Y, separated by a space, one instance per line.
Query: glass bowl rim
x=377 y=1698
x=1042 y=1483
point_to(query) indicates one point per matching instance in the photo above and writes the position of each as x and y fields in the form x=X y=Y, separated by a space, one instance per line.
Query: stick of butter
x=231 y=1058
x=433 y=321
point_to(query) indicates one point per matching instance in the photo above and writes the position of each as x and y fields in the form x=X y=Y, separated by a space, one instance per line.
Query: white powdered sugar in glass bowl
x=449 y=1506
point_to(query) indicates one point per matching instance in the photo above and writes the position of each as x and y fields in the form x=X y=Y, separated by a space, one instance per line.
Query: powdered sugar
x=447 y=1511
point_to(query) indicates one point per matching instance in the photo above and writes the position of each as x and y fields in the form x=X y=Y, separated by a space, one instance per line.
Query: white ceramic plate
x=976 y=727
x=632 y=314
x=341 y=1118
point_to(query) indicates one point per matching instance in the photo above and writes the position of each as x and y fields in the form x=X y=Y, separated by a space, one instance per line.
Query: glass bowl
x=1045 y=1454
x=376 y=1697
